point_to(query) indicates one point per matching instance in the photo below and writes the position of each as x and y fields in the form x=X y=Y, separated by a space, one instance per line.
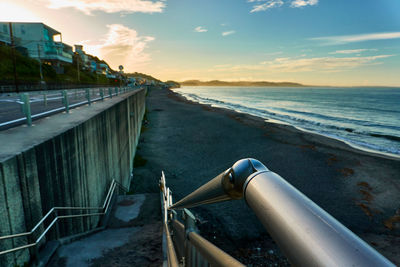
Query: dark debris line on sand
x=193 y=143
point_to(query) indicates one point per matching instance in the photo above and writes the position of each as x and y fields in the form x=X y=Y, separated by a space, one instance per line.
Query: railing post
x=110 y=92
x=57 y=227
x=116 y=90
x=65 y=100
x=34 y=251
x=88 y=96
x=102 y=93
x=190 y=226
x=45 y=98
x=26 y=108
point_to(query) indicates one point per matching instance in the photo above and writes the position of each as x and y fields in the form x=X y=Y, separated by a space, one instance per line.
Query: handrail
x=307 y=234
x=193 y=249
x=105 y=207
x=172 y=259
x=65 y=106
x=214 y=255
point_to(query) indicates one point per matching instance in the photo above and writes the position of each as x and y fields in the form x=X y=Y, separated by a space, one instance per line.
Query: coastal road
x=42 y=104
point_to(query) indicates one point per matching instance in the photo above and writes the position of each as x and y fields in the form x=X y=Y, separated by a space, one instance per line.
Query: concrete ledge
x=19 y=139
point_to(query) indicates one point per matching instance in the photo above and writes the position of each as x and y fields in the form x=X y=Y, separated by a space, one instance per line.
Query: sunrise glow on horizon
x=314 y=42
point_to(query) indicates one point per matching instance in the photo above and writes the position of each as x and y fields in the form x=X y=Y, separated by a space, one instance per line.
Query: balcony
x=5 y=38
x=56 y=52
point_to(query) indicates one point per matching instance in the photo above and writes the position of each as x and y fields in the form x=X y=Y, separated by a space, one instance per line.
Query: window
x=5 y=28
x=22 y=29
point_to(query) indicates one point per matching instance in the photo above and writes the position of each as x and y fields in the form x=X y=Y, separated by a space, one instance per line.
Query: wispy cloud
x=322 y=63
x=344 y=39
x=274 y=53
x=122 y=46
x=352 y=51
x=315 y=64
x=108 y=6
x=228 y=33
x=263 y=5
x=303 y=3
x=200 y=29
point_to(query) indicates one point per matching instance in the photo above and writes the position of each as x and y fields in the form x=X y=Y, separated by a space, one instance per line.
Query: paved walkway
x=133 y=237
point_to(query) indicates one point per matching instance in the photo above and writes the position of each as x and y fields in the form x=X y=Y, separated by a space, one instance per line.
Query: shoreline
x=192 y=143
x=375 y=152
x=350 y=146
x=312 y=86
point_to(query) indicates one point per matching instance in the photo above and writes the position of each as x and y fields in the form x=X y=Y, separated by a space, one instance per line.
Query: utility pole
x=77 y=66
x=40 y=66
x=13 y=57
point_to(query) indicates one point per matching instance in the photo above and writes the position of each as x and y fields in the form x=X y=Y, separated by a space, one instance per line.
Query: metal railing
x=35 y=105
x=306 y=234
x=184 y=246
x=102 y=211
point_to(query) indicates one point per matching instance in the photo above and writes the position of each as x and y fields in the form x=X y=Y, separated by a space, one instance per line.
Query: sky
x=315 y=42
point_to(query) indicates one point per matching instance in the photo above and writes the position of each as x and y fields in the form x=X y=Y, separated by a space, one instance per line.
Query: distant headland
x=239 y=83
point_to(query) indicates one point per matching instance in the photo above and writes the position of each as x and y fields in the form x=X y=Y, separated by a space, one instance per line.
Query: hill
x=141 y=75
x=239 y=83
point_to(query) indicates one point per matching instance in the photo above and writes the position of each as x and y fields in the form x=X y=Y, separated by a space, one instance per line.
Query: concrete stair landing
x=133 y=237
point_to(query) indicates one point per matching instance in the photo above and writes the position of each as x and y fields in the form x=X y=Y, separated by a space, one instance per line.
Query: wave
x=389 y=137
x=270 y=113
x=357 y=135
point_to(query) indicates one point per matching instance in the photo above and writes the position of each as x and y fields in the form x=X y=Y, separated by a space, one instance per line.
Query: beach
x=193 y=143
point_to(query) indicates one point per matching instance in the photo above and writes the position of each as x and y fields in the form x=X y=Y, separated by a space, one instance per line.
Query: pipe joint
x=235 y=177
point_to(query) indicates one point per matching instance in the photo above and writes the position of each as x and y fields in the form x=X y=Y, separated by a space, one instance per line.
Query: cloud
x=344 y=39
x=108 y=6
x=200 y=29
x=263 y=5
x=16 y=13
x=274 y=53
x=316 y=64
x=352 y=51
x=322 y=63
x=228 y=33
x=122 y=46
x=267 y=4
x=303 y=3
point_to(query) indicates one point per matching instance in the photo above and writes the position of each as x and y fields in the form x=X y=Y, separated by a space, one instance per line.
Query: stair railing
x=102 y=211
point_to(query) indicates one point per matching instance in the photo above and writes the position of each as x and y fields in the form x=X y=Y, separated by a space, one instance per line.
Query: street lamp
x=120 y=75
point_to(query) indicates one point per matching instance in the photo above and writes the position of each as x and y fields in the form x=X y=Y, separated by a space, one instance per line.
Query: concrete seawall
x=65 y=160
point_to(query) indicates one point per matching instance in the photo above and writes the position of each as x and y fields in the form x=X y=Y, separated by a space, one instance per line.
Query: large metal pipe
x=306 y=234
x=225 y=186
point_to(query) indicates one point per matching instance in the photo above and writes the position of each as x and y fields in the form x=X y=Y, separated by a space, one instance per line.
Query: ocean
x=366 y=118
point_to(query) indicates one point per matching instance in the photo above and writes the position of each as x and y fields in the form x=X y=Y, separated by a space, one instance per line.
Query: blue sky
x=323 y=42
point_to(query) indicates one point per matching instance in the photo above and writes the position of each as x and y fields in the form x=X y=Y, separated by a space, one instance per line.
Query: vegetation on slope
x=239 y=83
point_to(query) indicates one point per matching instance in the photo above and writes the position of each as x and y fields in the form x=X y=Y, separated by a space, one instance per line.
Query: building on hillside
x=5 y=34
x=41 y=42
x=102 y=68
x=83 y=57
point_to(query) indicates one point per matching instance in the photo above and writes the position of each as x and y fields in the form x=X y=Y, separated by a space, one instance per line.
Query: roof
x=38 y=23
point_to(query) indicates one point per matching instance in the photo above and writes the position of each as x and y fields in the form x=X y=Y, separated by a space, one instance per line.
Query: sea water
x=364 y=117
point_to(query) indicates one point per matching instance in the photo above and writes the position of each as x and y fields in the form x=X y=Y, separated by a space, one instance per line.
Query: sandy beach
x=193 y=143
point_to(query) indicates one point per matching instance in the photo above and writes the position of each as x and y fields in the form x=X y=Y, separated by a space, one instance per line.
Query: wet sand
x=193 y=143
